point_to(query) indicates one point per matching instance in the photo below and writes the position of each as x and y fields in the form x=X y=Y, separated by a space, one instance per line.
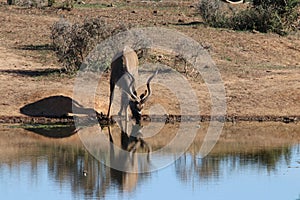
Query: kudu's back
x=126 y=61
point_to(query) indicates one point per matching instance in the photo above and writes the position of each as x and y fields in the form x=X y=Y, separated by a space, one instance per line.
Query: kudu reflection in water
x=127 y=158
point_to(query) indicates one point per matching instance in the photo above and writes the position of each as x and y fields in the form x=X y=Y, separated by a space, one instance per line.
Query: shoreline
x=103 y=120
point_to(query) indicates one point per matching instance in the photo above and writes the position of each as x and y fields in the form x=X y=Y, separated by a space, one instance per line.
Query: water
x=266 y=166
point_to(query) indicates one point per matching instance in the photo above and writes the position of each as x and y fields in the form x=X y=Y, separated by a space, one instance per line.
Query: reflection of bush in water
x=188 y=167
x=268 y=159
x=65 y=166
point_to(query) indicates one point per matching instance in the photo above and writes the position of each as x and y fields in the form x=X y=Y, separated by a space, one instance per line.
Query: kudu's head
x=136 y=103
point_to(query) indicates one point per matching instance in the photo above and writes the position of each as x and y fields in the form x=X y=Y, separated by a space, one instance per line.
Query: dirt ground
x=261 y=72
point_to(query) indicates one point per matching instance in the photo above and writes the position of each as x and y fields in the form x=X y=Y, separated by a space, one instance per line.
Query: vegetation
x=31 y=3
x=73 y=42
x=279 y=16
x=60 y=4
x=212 y=13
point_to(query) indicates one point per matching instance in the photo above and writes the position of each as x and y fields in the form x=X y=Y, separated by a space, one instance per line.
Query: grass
x=228 y=59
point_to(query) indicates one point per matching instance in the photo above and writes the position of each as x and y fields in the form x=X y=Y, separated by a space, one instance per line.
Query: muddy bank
x=154 y=118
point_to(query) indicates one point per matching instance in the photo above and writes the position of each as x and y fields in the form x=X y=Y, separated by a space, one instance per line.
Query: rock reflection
x=60 y=131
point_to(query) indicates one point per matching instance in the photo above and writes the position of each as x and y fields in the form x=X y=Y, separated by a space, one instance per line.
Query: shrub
x=73 y=42
x=260 y=19
x=277 y=16
x=211 y=12
x=281 y=6
x=286 y=11
x=30 y=3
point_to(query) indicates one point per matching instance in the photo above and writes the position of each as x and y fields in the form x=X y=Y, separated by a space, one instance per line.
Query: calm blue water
x=55 y=171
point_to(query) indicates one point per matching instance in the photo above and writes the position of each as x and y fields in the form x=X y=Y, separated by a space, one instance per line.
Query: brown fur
x=127 y=61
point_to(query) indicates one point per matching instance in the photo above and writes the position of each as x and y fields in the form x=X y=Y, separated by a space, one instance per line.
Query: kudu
x=124 y=71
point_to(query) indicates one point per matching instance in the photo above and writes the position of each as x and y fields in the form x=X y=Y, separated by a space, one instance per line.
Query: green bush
x=281 y=6
x=260 y=19
x=277 y=16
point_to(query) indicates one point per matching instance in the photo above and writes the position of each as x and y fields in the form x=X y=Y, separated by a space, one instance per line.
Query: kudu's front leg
x=124 y=109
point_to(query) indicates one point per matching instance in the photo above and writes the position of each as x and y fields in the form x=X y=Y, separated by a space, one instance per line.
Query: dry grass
x=260 y=71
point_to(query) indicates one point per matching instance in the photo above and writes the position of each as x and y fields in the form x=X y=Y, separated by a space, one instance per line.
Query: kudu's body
x=124 y=71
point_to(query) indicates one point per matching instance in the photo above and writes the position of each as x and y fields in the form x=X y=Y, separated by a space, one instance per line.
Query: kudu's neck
x=135 y=111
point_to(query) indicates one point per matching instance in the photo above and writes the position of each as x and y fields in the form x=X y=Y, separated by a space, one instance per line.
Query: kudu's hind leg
x=124 y=103
x=111 y=97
